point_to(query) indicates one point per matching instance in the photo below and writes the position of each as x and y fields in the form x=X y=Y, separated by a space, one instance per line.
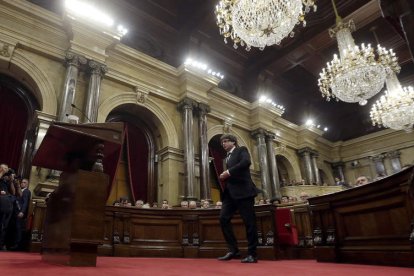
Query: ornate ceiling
x=171 y=30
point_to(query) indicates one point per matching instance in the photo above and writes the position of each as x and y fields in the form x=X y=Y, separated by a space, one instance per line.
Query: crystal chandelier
x=395 y=109
x=260 y=23
x=359 y=72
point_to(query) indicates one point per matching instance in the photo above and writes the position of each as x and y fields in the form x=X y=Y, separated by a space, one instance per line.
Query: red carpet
x=26 y=264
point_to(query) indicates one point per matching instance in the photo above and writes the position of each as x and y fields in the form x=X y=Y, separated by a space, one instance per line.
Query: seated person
x=218 y=205
x=304 y=196
x=139 y=203
x=192 y=204
x=206 y=204
x=285 y=199
x=146 y=206
x=123 y=201
x=361 y=180
x=155 y=205
x=184 y=204
x=165 y=204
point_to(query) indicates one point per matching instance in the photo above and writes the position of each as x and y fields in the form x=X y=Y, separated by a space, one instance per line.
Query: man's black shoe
x=229 y=256
x=249 y=259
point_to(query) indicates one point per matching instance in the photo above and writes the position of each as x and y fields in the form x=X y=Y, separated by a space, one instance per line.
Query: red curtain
x=218 y=157
x=13 y=124
x=138 y=158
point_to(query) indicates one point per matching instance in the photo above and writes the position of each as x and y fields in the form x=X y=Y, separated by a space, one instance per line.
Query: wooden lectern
x=87 y=155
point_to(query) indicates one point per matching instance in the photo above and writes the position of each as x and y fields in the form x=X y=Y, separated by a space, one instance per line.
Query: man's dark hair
x=229 y=137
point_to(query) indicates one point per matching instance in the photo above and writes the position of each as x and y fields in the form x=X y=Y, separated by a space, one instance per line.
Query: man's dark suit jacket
x=240 y=184
x=24 y=201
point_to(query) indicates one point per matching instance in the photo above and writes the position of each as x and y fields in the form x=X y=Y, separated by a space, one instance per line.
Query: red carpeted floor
x=27 y=264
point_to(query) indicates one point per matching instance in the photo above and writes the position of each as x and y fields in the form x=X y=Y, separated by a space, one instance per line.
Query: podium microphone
x=75 y=107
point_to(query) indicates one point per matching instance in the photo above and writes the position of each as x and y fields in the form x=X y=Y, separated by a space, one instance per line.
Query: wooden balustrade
x=369 y=224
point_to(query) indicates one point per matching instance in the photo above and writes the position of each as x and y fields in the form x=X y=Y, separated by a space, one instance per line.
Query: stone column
x=304 y=153
x=73 y=62
x=259 y=135
x=205 y=189
x=394 y=157
x=379 y=164
x=186 y=107
x=273 y=172
x=338 y=168
x=314 y=156
x=96 y=70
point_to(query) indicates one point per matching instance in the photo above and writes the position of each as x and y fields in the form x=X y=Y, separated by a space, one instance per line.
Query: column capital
x=394 y=154
x=74 y=59
x=203 y=109
x=270 y=136
x=378 y=158
x=97 y=68
x=259 y=133
x=337 y=164
x=304 y=151
x=186 y=103
x=314 y=153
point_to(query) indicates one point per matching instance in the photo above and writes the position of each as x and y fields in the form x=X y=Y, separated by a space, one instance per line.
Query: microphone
x=75 y=107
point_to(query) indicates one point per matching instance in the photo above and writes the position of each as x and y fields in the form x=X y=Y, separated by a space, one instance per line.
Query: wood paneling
x=366 y=224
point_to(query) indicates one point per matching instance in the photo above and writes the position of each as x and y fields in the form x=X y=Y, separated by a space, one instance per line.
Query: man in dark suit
x=23 y=202
x=238 y=194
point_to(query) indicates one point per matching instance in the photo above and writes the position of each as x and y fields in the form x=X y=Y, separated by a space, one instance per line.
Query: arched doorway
x=216 y=156
x=136 y=172
x=18 y=126
x=285 y=169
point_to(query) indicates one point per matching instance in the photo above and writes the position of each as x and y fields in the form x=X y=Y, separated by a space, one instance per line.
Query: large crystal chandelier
x=359 y=72
x=260 y=23
x=395 y=109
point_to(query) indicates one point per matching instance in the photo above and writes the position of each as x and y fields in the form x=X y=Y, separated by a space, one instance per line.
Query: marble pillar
x=259 y=135
x=205 y=189
x=186 y=107
x=317 y=177
x=338 y=168
x=273 y=171
x=73 y=63
x=379 y=165
x=96 y=71
x=394 y=157
x=304 y=153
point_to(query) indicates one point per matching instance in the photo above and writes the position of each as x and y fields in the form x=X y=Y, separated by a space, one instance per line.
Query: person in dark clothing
x=23 y=202
x=238 y=194
x=7 y=191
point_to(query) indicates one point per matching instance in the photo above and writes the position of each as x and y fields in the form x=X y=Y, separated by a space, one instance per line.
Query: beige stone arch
x=292 y=161
x=169 y=131
x=328 y=172
x=218 y=130
x=43 y=89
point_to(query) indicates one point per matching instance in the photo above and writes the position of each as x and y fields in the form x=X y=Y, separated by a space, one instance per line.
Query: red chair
x=287 y=232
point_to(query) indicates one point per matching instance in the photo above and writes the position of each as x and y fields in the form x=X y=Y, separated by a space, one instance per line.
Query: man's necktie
x=228 y=157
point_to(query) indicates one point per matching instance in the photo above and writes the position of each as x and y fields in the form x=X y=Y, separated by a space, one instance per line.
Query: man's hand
x=224 y=175
x=20 y=215
x=2 y=192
